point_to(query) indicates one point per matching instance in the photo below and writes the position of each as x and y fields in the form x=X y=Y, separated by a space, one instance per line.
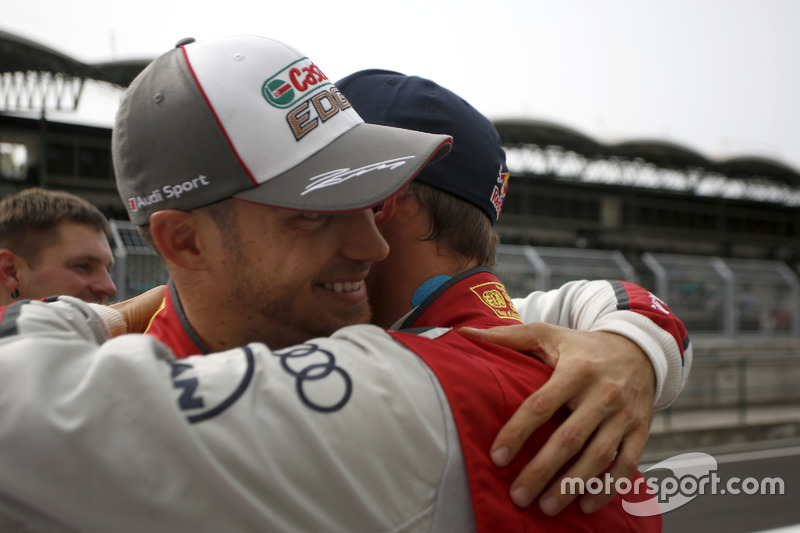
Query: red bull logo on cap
x=294 y=82
x=500 y=190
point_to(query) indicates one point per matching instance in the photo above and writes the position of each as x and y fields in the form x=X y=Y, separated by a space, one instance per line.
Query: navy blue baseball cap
x=475 y=169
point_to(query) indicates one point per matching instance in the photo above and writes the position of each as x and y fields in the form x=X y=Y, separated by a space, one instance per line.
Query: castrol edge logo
x=293 y=82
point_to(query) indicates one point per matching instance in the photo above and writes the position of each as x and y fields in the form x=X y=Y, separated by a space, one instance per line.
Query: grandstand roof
x=518 y=132
x=662 y=153
x=541 y=133
x=18 y=54
x=755 y=166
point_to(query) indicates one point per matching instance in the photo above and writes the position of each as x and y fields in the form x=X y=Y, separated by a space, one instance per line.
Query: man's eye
x=313 y=217
x=82 y=267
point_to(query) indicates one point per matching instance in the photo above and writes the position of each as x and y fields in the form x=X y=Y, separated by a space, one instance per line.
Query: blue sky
x=718 y=76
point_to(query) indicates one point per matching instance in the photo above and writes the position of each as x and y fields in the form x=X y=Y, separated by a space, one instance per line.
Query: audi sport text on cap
x=475 y=170
x=253 y=118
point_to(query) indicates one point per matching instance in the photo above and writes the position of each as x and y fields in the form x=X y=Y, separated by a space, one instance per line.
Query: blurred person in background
x=53 y=243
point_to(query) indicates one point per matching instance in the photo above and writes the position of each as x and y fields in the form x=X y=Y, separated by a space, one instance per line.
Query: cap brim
x=360 y=169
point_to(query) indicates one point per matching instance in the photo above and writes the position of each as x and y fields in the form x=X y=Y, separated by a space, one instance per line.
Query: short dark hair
x=29 y=219
x=457 y=225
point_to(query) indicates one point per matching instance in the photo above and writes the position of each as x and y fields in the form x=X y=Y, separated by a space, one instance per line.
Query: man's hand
x=608 y=383
x=138 y=311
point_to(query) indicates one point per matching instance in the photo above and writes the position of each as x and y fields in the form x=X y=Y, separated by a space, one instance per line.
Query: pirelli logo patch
x=494 y=295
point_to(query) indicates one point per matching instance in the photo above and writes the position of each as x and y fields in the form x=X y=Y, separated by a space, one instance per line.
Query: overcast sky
x=721 y=77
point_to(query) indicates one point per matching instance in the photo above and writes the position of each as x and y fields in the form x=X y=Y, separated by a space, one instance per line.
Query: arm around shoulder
x=626 y=309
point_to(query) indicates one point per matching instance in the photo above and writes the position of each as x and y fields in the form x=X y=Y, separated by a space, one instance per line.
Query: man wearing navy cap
x=443 y=226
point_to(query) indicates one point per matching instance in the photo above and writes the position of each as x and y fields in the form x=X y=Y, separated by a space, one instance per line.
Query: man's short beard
x=272 y=321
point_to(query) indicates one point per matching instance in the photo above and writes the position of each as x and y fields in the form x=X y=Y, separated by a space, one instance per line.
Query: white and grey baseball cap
x=253 y=118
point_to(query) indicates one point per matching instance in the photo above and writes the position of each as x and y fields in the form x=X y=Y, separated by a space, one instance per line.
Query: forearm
x=622 y=308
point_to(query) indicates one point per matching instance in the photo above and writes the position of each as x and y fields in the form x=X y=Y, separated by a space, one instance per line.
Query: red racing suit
x=484 y=385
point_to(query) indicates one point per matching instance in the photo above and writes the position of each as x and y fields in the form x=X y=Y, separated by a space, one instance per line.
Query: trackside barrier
x=741 y=382
x=137 y=268
x=713 y=296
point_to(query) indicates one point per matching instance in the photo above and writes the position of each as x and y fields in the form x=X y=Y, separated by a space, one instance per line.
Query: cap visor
x=361 y=168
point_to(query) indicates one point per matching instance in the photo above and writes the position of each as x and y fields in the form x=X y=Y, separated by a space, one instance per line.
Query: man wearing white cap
x=257 y=180
x=257 y=132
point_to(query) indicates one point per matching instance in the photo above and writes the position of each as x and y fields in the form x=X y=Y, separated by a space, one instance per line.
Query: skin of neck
x=412 y=260
x=189 y=244
x=221 y=319
x=212 y=313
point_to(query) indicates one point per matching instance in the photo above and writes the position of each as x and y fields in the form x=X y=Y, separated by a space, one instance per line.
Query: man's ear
x=385 y=211
x=176 y=235
x=9 y=270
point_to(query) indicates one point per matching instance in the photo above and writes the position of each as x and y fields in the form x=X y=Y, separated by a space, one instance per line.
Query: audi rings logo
x=320 y=384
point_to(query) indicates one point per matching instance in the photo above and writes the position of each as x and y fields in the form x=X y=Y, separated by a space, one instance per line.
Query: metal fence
x=728 y=297
x=738 y=387
x=713 y=296
x=137 y=268
x=526 y=268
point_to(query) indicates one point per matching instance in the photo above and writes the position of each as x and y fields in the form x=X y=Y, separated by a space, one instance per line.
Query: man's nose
x=103 y=285
x=360 y=238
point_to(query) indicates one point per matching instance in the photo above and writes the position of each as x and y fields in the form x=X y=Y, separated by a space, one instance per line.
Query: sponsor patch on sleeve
x=494 y=295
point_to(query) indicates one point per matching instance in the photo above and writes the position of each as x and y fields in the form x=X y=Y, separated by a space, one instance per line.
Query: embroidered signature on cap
x=335 y=177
